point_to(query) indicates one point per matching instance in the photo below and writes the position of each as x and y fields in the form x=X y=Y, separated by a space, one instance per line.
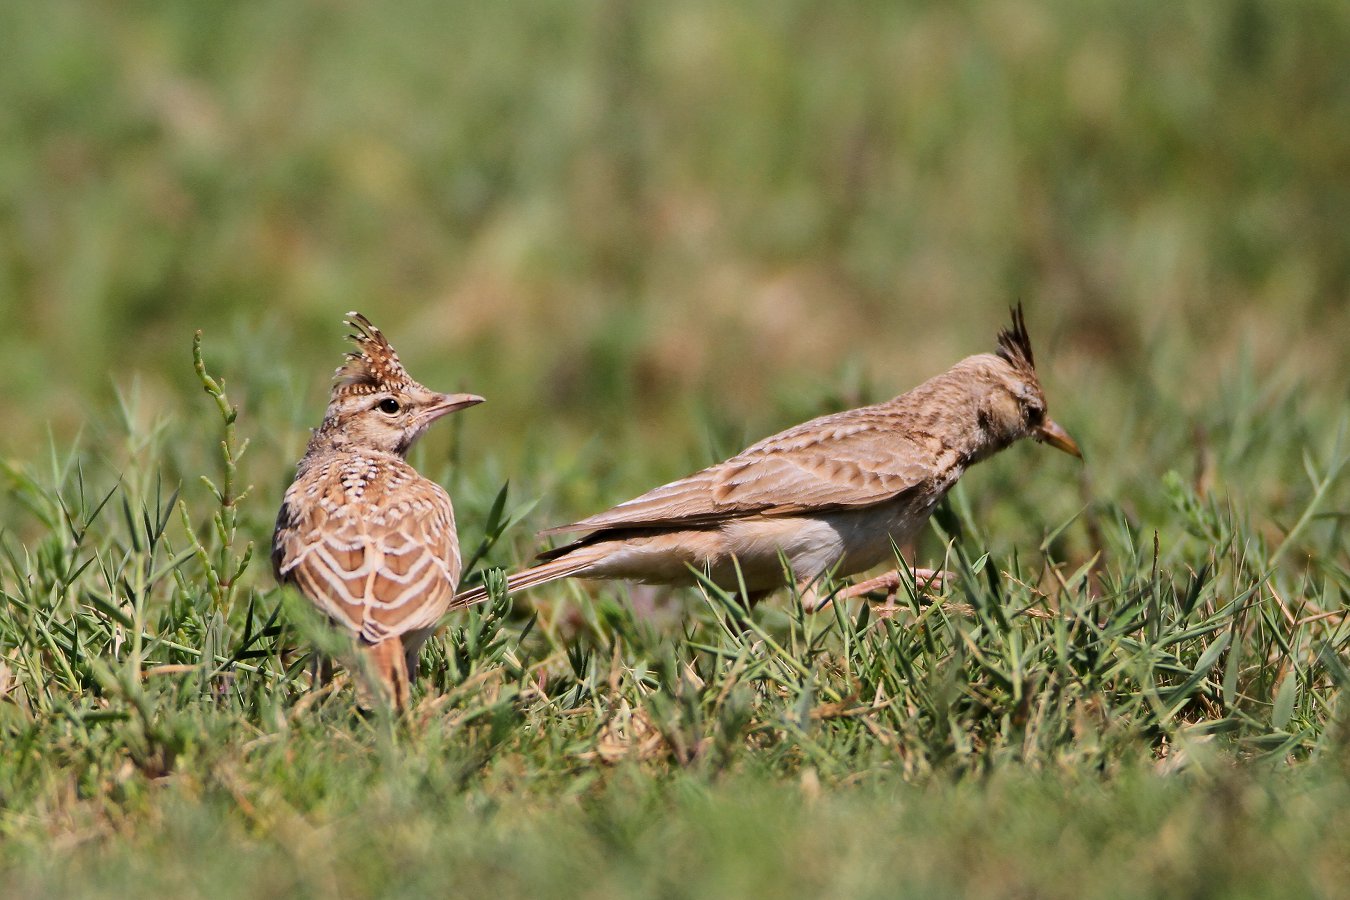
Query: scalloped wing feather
x=377 y=564
x=840 y=461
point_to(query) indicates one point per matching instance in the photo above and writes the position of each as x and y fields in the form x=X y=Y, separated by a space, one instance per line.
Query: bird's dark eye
x=389 y=406
x=1035 y=416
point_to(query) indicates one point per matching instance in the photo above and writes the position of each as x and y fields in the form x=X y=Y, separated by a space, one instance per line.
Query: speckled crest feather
x=1014 y=344
x=373 y=366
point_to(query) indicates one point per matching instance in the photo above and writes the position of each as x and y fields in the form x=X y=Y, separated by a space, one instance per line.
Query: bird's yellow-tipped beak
x=1050 y=433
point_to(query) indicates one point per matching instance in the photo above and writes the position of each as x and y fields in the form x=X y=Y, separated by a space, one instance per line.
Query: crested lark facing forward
x=834 y=494
x=369 y=541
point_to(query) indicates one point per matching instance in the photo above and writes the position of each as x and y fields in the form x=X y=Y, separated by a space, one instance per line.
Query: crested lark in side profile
x=365 y=538
x=834 y=494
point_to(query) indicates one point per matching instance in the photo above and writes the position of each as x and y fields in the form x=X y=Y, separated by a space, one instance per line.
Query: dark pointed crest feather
x=1014 y=344
x=373 y=366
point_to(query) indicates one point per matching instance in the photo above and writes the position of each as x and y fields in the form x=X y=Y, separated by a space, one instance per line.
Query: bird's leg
x=320 y=669
x=813 y=599
x=752 y=598
x=890 y=583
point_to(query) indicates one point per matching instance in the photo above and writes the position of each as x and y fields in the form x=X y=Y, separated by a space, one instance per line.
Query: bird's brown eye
x=389 y=406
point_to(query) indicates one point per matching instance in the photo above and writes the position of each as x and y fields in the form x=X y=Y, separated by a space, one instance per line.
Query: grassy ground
x=650 y=234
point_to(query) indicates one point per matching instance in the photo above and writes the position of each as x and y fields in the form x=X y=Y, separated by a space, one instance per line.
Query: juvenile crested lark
x=369 y=541
x=834 y=494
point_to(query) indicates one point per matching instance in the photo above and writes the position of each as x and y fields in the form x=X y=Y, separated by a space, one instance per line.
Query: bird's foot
x=890 y=582
x=814 y=600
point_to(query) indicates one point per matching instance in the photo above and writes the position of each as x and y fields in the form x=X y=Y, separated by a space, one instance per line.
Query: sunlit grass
x=649 y=235
x=153 y=675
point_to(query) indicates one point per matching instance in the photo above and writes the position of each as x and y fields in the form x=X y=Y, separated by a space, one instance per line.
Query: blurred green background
x=651 y=233
x=662 y=230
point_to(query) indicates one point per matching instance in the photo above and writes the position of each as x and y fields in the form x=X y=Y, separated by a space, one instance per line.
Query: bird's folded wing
x=801 y=471
x=379 y=573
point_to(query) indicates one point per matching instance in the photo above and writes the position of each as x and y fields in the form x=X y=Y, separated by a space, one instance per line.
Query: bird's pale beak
x=450 y=403
x=1050 y=433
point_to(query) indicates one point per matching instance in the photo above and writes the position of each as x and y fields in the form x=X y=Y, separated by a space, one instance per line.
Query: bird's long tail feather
x=574 y=563
x=388 y=664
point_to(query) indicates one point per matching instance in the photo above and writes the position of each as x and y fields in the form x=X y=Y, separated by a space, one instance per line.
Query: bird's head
x=375 y=404
x=1010 y=402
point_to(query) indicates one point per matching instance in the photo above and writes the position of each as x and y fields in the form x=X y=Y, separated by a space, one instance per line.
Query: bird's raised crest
x=373 y=366
x=1014 y=344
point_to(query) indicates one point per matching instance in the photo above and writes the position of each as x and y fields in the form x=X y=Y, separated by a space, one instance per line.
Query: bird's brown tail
x=388 y=663
x=572 y=564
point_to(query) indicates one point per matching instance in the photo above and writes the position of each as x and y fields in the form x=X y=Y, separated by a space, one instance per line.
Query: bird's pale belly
x=751 y=550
